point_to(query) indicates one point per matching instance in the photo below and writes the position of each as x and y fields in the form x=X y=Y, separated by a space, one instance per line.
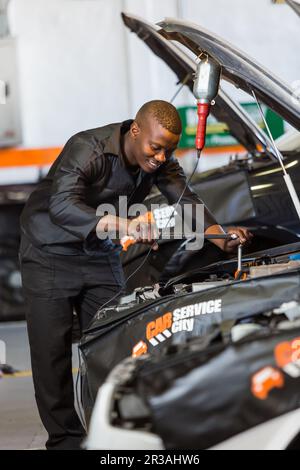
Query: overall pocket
x=116 y=268
x=37 y=271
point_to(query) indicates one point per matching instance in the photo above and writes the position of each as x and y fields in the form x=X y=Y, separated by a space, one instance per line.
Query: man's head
x=153 y=135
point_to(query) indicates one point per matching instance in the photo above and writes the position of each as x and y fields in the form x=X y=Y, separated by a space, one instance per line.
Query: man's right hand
x=143 y=229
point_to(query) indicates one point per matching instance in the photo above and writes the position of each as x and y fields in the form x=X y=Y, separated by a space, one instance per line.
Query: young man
x=66 y=266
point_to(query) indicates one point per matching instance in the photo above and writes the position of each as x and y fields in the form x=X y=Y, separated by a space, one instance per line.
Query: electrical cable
x=79 y=408
x=126 y=280
x=183 y=83
x=151 y=248
x=148 y=253
x=205 y=89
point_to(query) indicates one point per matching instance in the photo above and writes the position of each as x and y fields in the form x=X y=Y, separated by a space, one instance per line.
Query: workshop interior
x=147 y=330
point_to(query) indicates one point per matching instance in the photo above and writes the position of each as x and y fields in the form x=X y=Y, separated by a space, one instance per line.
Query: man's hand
x=144 y=229
x=243 y=237
x=229 y=246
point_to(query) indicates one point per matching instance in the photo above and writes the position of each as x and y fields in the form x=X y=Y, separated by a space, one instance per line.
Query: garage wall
x=79 y=67
x=70 y=55
x=149 y=77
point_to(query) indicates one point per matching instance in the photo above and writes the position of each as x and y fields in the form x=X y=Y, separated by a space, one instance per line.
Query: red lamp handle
x=203 y=112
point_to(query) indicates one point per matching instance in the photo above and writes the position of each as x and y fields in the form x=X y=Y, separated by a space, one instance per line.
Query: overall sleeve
x=67 y=207
x=171 y=181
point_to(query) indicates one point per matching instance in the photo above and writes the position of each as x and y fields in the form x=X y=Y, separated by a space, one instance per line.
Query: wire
x=126 y=280
x=151 y=248
x=183 y=83
x=185 y=80
x=79 y=407
x=187 y=183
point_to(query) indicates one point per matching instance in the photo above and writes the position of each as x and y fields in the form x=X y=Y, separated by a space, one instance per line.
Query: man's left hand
x=230 y=246
x=244 y=236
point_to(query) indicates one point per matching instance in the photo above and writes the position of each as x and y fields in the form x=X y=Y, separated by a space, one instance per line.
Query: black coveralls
x=65 y=266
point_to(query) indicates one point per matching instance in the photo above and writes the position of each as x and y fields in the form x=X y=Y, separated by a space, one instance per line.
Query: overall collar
x=112 y=146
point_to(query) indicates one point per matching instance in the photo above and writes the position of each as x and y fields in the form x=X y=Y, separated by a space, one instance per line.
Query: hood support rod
x=286 y=176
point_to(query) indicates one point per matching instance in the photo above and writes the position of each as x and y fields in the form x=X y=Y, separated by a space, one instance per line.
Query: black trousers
x=54 y=285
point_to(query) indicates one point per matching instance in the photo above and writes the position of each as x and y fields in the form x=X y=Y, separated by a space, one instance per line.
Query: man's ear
x=135 y=129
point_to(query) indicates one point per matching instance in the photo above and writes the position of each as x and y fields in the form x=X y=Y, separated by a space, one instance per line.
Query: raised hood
x=237 y=67
x=295 y=5
x=241 y=126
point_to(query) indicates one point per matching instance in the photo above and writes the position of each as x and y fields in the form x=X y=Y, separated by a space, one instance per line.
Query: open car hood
x=237 y=67
x=240 y=124
x=295 y=5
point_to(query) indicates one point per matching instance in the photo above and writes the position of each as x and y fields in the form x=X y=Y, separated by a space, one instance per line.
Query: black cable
x=80 y=413
x=132 y=274
x=135 y=271
x=184 y=82
x=151 y=248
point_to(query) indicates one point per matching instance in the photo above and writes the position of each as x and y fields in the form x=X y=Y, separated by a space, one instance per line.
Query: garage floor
x=21 y=427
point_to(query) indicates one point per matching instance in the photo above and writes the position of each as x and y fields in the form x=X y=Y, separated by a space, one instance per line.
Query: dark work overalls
x=65 y=267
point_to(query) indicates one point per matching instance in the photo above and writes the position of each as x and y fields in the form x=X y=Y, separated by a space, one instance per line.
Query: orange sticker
x=265 y=380
x=159 y=325
x=287 y=352
x=139 y=349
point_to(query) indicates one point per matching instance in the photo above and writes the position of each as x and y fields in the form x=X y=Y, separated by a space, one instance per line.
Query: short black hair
x=164 y=112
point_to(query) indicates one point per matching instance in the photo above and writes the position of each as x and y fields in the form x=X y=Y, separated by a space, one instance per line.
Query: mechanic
x=66 y=267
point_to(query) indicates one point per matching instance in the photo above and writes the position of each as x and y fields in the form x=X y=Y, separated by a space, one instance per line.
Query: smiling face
x=150 y=144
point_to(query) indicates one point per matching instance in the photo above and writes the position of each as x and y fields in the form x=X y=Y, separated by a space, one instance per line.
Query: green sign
x=217 y=133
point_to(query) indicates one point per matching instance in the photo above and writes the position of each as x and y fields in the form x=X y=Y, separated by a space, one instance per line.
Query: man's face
x=152 y=144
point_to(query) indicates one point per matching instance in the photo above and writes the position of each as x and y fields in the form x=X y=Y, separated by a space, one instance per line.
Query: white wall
x=10 y=125
x=149 y=77
x=73 y=71
x=80 y=68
